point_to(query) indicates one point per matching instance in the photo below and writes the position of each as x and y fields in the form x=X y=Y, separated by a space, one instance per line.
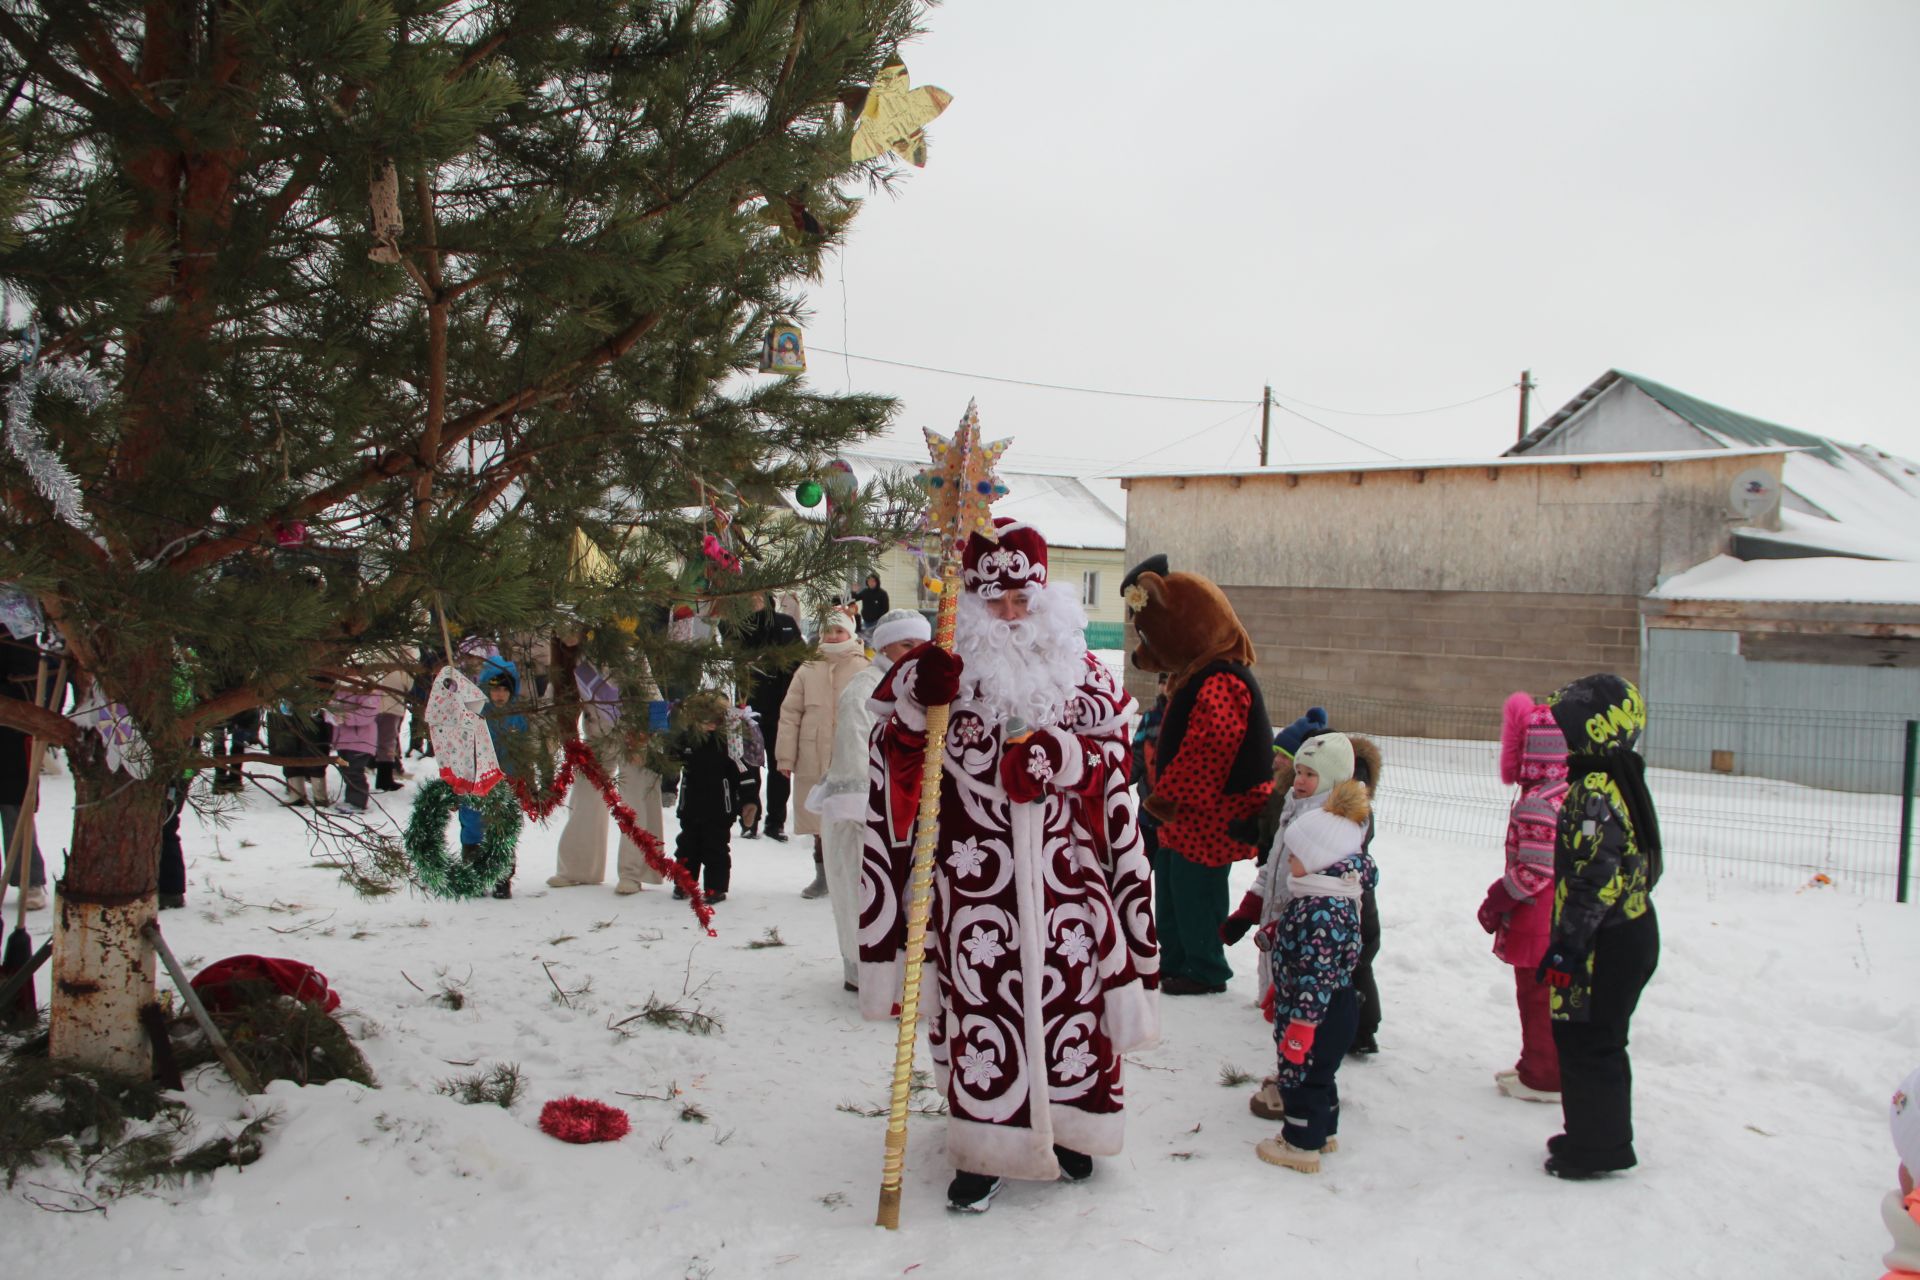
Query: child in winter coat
x=1901 y=1209
x=301 y=735
x=1605 y=943
x=711 y=778
x=355 y=736
x=1306 y=788
x=1314 y=946
x=1518 y=910
x=501 y=681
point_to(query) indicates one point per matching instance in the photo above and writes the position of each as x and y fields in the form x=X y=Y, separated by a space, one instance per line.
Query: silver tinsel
x=24 y=434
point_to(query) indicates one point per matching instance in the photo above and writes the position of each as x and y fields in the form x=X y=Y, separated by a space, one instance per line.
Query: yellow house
x=1082 y=519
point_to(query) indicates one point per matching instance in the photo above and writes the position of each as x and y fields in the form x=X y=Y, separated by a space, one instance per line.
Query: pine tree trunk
x=102 y=968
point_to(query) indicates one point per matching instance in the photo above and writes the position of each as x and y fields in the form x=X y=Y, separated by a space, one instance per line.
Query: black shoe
x=504 y=889
x=172 y=901
x=1074 y=1166
x=778 y=837
x=718 y=895
x=1179 y=986
x=750 y=832
x=1564 y=1167
x=1364 y=1044
x=972 y=1192
x=679 y=894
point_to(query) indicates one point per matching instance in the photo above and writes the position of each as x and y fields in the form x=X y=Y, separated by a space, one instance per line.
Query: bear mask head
x=1183 y=622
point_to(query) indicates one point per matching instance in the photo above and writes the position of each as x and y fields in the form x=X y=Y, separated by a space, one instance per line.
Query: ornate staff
x=960 y=485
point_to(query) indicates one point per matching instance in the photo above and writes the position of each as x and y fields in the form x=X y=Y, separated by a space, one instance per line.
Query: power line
x=1022 y=382
x=1399 y=413
x=1343 y=435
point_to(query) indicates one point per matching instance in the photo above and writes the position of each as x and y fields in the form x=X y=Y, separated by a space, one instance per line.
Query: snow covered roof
x=1817 y=579
x=1068 y=510
x=1446 y=464
x=1850 y=499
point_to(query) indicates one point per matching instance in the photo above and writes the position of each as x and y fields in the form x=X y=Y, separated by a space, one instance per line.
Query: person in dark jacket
x=1605 y=943
x=500 y=678
x=873 y=602
x=709 y=799
x=19 y=677
x=766 y=631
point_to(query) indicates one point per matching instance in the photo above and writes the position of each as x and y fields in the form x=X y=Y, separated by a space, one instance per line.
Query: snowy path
x=1765 y=1051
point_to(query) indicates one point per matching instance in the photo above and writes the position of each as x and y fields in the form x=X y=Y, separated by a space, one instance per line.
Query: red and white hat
x=1019 y=561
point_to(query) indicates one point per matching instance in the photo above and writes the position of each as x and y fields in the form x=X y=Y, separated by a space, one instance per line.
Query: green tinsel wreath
x=426 y=841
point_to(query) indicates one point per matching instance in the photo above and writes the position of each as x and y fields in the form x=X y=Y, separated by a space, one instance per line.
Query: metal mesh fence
x=1441 y=778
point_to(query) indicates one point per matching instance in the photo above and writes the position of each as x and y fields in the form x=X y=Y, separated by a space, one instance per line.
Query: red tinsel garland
x=573 y=1119
x=579 y=756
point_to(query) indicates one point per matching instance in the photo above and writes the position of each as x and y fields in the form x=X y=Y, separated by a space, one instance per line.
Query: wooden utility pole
x=1266 y=422
x=1526 y=389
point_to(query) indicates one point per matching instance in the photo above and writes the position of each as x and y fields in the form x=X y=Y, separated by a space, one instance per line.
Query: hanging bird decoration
x=894 y=117
x=462 y=745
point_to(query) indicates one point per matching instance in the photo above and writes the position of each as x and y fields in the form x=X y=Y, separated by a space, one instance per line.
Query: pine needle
x=1232 y=1077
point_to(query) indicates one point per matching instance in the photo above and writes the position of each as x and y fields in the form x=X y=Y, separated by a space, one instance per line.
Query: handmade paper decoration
x=27 y=438
x=809 y=493
x=790 y=214
x=461 y=742
x=586 y=562
x=600 y=695
x=291 y=534
x=894 y=117
x=961 y=482
x=126 y=749
x=383 y=196
x=784 y=350
x=20 y=613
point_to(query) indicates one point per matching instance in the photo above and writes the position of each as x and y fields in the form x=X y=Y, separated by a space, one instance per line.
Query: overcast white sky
x=1392 y=206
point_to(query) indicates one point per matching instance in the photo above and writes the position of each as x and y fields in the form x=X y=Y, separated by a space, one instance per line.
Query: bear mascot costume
x=1212 y=766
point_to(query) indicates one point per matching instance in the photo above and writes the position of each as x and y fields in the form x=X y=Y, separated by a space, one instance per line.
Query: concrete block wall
x=1445 y=649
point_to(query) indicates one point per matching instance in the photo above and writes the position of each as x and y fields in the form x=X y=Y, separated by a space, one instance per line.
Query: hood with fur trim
x=1350 y=800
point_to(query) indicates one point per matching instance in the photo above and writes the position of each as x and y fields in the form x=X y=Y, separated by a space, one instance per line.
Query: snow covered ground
x=1765 y=1052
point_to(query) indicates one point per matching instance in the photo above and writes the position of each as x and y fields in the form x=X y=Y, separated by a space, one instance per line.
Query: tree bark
x=102 y=968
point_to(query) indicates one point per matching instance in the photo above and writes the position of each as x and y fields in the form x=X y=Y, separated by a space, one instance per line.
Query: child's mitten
x=1499 y=902
x=1296 y=1042
x=1560 y=963
x=1244 y=917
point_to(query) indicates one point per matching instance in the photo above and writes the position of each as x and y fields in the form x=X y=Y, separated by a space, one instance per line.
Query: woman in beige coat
x=806 y=726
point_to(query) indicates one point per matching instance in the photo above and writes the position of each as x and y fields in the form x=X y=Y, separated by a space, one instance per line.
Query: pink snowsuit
x=1533 y=753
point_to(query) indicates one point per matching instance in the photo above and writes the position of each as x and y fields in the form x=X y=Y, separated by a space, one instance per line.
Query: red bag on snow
x=301 y=981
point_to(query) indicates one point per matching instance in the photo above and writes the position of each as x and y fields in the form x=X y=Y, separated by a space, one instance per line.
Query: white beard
x=1025 y=670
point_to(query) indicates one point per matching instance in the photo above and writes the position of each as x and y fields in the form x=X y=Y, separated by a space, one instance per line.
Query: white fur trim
x=901 y=624
x=1073 y=759
x=1002 y=1150
x=1130 y=1017
x=1091 y=1133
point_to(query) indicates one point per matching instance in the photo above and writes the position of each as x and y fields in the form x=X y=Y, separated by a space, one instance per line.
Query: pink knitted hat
x=1532 y=748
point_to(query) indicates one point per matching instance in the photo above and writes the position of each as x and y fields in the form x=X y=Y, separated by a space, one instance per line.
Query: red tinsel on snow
x=578 y=756
x=572 y=1119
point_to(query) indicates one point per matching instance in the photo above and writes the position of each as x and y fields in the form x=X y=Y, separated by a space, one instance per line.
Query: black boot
x=1075 y=1166
x=504 y=888
x=383 y=776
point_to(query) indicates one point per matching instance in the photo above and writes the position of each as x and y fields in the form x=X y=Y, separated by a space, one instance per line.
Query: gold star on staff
x=961 y=484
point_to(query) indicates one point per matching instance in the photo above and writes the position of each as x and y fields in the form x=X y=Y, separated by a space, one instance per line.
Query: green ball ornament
x=425 y=841
x=809 y=493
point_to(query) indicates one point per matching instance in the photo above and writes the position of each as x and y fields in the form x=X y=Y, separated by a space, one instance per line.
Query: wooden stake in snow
x=228 y=1058
x=961 y=485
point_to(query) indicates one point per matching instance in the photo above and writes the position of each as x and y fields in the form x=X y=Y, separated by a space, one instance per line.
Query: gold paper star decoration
x=961 y=484
x=894 y=116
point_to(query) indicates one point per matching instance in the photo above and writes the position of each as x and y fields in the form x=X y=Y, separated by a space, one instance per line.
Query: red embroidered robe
x=1041 y=967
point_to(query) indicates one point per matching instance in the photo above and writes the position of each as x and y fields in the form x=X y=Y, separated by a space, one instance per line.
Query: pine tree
x=392 y=296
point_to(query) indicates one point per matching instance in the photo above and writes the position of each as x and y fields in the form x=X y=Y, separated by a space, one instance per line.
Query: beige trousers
x=583 y=841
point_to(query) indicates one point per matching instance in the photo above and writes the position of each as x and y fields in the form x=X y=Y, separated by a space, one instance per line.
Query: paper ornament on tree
x=20 y=614
x=893 y=117
x=126 y=749
x=600 y=695
x=784 y=350
x=461 y=743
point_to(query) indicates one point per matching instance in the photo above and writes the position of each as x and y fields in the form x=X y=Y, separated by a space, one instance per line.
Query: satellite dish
x=1753 y=493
